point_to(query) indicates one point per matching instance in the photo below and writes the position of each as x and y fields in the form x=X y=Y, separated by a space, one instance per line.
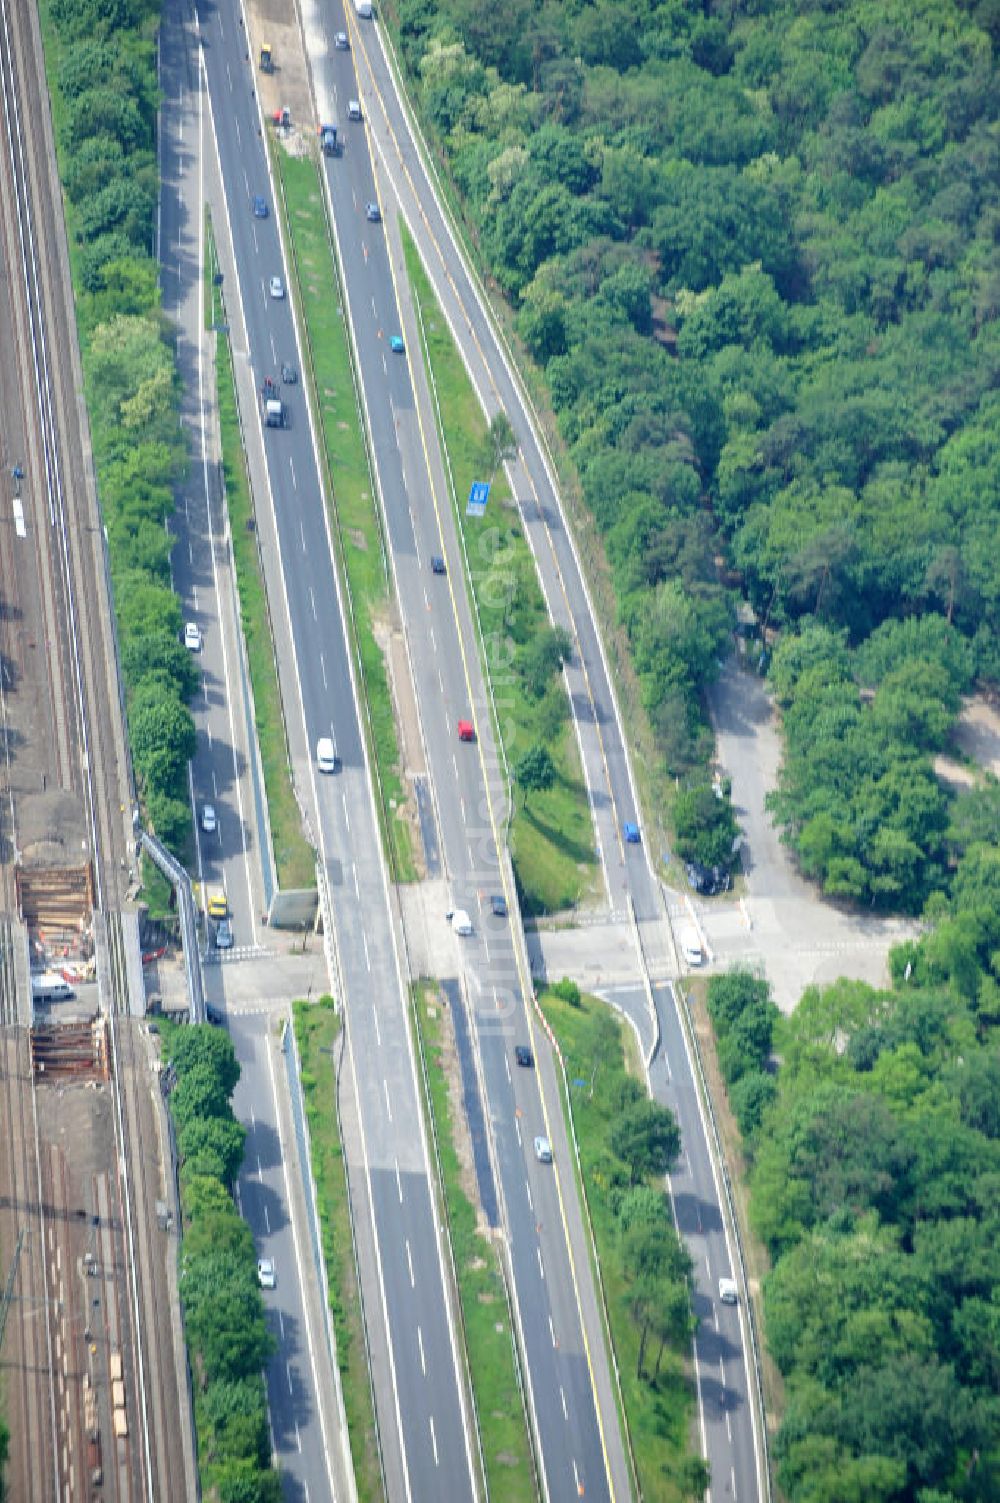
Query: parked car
x=209 y=823
x=707 y=880
x=543 y=1149
x=266 y=1276
x=277 y=288
x=192 y=637
x=523 y=1056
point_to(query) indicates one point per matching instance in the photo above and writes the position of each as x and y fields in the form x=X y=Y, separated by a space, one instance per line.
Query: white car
x=326 y=756
x=277 y=288
x=543 y=1150
x=266 y=1276
x=192 y=637
x=728 y=1292
x=209 y=823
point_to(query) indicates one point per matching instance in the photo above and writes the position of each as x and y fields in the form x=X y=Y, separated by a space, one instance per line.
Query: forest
x=755 y=250
x=873 y=1134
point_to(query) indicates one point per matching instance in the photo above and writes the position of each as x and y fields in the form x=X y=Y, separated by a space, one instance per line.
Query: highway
x=579 y=1439
x=424 y=1423
x=731 y=1438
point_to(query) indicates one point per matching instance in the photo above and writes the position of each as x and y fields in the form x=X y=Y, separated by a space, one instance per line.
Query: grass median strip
x=552 y=837
x=293 y=857
x=649 y=1328
x=489 y=1339
x=317 y=1027
x=355 y=519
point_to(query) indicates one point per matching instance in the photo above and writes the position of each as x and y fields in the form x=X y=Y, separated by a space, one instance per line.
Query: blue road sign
x=478 y=496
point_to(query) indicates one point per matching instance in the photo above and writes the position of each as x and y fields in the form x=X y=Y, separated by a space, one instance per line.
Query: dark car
x=524 y=1056
x=498 y=906
x=438 y=565
x=707 y=880
x=214 y=1016
x=373 y=212
x=259 y=206
x=288 y=373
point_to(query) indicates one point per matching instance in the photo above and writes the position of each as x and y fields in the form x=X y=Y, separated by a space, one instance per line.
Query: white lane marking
x=322 y=664
x=552 y=1331
x=541 y=1265
x=364 y=941
x=506 y=1065
x=302 y=535
x=729 y=1428
x=409 y=1264
x=354 y=874
x=281 y=1325
x=190 y=553
x=562 y=1396
x=298 y=1437
x=274 y=353
x=253 y=1121
x=517 y=1129
x=433 y=643
x=388 y=1103
x=267 y=1220
x=347 y=817
x=378 y=1031
x=434 y=1442
x=288 y=1377
x=420 y=1348
x=260 y=1171
x=576 y=1479
x=215 y=783
x=312 y=602
x=531 y=1204
x=399 y=1182
x=291 y=466
x=441 y=682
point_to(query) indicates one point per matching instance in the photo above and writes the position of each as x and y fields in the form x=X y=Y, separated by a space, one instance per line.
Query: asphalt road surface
x=423 y=1419
x=579 y=1439
x=628 y=874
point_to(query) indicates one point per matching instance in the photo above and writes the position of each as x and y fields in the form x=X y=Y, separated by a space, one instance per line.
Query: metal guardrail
x=186 y=912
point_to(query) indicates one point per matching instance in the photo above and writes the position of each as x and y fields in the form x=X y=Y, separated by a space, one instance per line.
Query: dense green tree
x=534 y=772
x=646 y=1137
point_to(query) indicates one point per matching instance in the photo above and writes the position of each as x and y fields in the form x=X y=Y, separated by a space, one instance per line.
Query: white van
x=690 y=945
x=48 y=987
x=461 y=923
x=326 y=757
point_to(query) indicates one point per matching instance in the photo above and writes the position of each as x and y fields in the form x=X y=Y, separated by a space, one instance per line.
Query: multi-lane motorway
x=424 y=1421
x=569 y=1390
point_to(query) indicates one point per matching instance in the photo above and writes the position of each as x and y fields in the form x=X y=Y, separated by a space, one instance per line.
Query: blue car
x=259 y=206
x=631 y=833
x=396 y=344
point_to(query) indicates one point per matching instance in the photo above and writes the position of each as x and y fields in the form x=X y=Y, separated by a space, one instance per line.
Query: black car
x=707 y=880
x=524 y=1056
x=215 y=1016
x=288 y=373
x=438 y=564
x=498 y=906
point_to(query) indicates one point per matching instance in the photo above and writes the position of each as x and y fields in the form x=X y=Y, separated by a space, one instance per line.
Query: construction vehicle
x=271 y=404
x=328 y=140
x=266 y=58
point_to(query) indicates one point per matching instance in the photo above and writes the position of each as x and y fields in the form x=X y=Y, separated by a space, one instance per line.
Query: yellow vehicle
x=266 y=58
x=218 y=905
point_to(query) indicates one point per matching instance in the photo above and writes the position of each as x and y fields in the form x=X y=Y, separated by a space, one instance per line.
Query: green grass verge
x=316 y=1028
x=356 y=526
x=659 y=1411
x=503 y=1424
x=552 y=840
x=294 y=861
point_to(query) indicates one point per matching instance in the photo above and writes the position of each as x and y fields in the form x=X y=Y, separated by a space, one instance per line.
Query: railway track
x=62 y=727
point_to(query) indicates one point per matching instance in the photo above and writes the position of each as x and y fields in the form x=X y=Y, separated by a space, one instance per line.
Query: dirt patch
x=977 y=733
